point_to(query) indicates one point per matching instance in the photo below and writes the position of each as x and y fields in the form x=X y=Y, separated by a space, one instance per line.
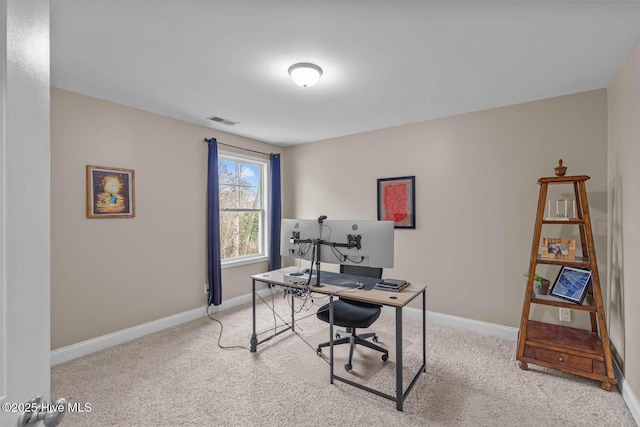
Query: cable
x=301 y=294
x=238 y=347
x=330 y=231
x=334 y=250
x=303 y=249
x=308 y=295
x=232 y=347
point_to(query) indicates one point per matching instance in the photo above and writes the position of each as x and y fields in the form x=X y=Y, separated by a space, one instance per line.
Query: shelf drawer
x=599 y=368
x=563 y=359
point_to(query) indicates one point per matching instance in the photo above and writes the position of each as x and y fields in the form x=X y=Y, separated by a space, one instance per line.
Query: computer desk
x=398 y=300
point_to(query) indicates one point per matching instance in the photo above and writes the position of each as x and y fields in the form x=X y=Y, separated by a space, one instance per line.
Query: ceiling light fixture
x=305 y=74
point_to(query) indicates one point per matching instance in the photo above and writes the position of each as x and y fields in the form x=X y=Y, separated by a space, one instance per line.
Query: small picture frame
x=571 y=284
x=397 y=201
x=110 y=192
x=559 y=248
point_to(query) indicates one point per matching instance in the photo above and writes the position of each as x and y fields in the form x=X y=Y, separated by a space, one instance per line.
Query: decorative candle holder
x=561 y=210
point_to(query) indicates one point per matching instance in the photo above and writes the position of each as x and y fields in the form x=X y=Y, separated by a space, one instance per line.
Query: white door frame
x=24 y=203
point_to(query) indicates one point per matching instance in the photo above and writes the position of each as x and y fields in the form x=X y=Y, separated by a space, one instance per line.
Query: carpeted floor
x=181 y=377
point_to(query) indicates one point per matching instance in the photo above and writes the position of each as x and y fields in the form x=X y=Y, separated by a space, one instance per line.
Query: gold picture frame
x=558 y=248
x=110 y=192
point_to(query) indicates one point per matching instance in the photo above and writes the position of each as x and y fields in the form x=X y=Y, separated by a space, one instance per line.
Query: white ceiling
x=385 y=63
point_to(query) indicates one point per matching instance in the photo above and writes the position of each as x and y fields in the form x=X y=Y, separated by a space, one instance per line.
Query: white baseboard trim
x=632 y=402
x=485 y=328
x=627 y=394
x=83 y=348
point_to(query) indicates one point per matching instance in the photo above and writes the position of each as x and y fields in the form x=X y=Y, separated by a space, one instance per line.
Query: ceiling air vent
x=221 y=120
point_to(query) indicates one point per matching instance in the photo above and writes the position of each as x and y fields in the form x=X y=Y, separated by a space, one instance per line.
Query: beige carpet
x=180 y=377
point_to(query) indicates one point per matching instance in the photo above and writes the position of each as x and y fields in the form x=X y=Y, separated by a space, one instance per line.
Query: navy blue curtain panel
x=214 y=263
x=275 y=213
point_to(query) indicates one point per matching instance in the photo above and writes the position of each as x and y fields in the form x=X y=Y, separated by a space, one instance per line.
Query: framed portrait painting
x=110 y=192
x=396 y=201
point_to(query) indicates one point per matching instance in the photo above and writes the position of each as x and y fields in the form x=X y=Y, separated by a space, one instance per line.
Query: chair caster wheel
x=374 y=338
x=347 y=367
x=337 y=336
x=318 y=351
x=385 y=357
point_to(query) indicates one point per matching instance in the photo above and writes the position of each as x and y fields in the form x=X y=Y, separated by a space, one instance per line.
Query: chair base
x=352 y=339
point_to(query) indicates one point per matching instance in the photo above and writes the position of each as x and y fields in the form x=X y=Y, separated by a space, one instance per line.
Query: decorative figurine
x=560 y=170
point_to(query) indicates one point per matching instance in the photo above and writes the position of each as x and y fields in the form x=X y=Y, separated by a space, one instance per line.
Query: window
x=242 y=208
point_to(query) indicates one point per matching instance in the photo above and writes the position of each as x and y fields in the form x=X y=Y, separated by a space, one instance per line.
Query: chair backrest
x=359 y=270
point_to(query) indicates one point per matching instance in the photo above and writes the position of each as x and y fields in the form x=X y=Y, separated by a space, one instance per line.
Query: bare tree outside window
x=241 y=207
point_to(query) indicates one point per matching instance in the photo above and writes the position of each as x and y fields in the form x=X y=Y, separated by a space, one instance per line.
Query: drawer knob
x=561 y=359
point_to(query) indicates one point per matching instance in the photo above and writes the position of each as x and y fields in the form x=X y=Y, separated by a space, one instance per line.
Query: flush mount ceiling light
x=305 y=74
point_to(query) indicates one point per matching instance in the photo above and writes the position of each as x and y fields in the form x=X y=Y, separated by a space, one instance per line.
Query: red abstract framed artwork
x=396 y=201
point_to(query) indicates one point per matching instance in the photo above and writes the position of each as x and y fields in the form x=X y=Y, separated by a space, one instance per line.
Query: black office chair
x=351 y=314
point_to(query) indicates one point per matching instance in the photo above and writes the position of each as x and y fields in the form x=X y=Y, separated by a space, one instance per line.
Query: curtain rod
x=235 y=146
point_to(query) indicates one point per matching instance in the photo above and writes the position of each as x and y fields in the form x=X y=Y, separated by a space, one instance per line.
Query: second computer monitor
x=374 y=240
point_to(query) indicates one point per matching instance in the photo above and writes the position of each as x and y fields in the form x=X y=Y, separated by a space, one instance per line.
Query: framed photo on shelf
x=397 y=201
x=559 y=248
x=110 y=192
x=571 y=284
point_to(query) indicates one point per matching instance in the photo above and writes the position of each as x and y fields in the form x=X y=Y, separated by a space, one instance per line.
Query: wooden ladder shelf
x=581 y=352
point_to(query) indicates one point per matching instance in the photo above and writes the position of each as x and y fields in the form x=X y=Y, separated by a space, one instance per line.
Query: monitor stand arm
x=353 y=242
x=319 y=243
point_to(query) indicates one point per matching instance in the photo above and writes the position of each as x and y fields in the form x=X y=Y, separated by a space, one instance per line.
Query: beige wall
x=476 y=195
x=624 y=211
x=111 y=274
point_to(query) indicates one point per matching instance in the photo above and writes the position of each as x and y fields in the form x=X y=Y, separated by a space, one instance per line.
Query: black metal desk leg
x=253 y=342
x=293 y=313
x=424 y=330
x=331 y=339
x=399 y=397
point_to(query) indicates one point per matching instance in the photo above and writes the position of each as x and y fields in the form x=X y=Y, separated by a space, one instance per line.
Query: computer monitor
x=371 y=241
x=298 y=229
x=374 y=240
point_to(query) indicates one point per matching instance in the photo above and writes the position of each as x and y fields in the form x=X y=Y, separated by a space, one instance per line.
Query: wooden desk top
x=395 y=299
